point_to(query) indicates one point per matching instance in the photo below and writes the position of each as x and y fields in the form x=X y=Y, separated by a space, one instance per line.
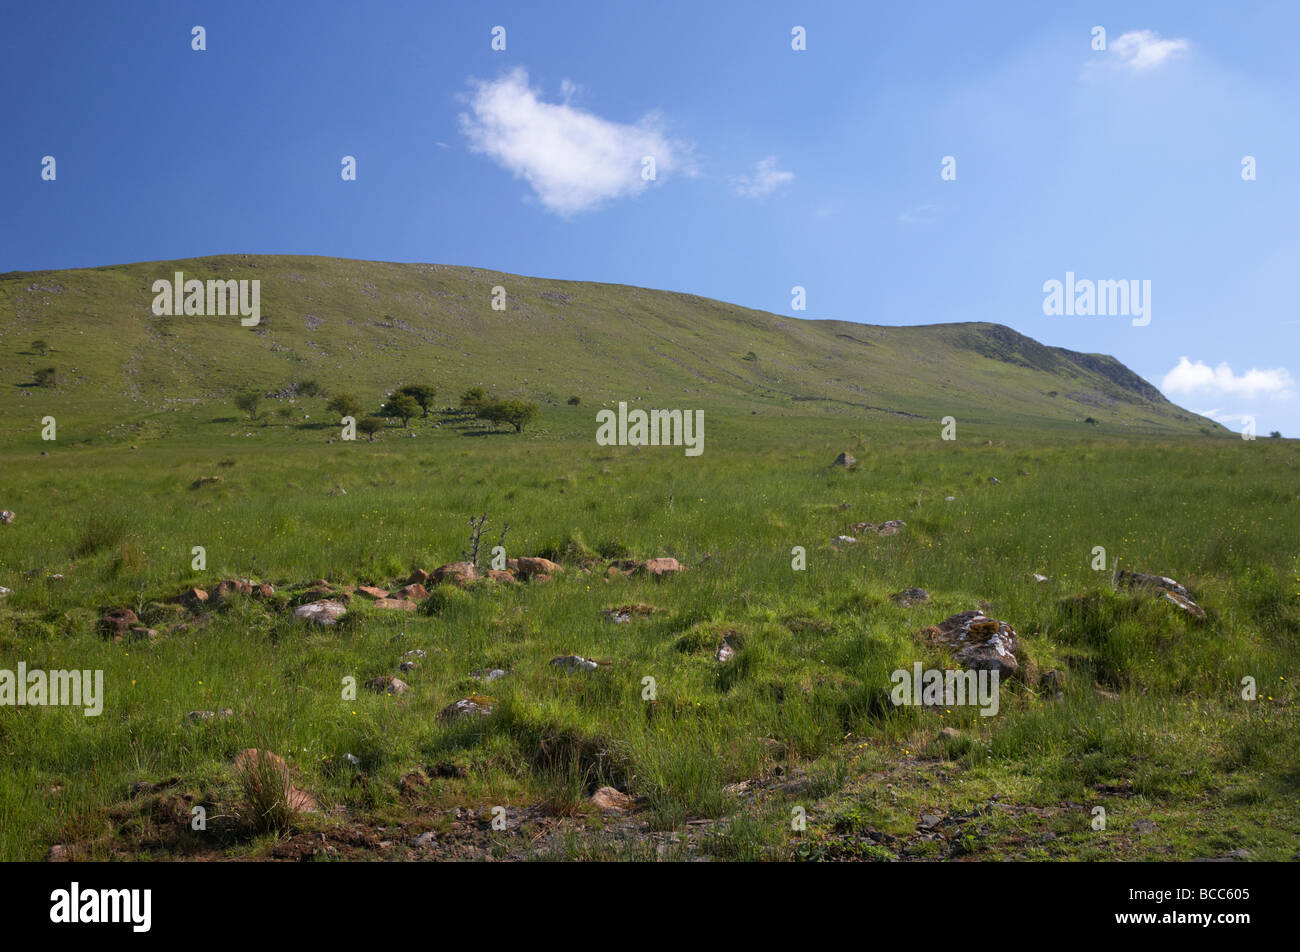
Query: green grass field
x=1150 y=722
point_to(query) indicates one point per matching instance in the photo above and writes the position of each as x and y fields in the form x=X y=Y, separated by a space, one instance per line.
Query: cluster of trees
x=516 y=413
x=404 y=404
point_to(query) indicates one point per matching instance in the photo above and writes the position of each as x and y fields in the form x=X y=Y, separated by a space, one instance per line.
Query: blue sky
x=774 y=167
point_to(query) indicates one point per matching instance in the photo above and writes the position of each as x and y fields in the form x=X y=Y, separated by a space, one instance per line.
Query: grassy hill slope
x=368 y=326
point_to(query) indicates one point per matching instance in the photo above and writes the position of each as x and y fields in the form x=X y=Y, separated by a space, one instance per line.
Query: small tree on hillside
x=370 y=426
x=516 y=413
x=41 y=346
x=308 y=388
x=421 y=394
x=344 y=404
x=46 y=377
x=248 y=401
x=402 y=406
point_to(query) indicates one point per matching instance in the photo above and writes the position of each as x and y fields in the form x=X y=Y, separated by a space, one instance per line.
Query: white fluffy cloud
x=1200 y=378
x=762 y=180
x=1141 y=50
x=573 y=160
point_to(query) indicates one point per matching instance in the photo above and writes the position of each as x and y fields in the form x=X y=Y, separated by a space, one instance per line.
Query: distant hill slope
x=367 y=326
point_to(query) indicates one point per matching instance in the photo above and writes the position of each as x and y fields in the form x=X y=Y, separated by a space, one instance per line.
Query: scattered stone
x=413 y=592
x=418 y=577
x=58 y=854
x=323 y=612
x=978 y=642
x=846 y=460
x=195 y=599
x=141 y=633
x=5 y=591
x=387 y=684
x=475 y=704
x=423 y=840
x=995 y=481
x=408 y=666
x=725 y=651
x=372 y=592
x=1142 y=580
x=352 y=759
x=911 y=596
x=843 y=540
x=1038 y=578
x=204 y=481
x=658 y=568
x=949 y=498
x=1168 y=589
x=117 y=622
x=489 y=674
x=414 y=653
x=458 y=573
x=529 y=567
x=1024 y=472
x=222 y=714
x=950 y=733
x=1142 y=827
x=930 y=820
x=879 y=528
x=6 y=516
x=398 y=604
x=502 y=576
x=625 y=613
x=573 y=663
x=611 y=800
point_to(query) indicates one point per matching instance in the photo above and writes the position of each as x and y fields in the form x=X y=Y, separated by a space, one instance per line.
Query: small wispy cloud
x=1141 y=50
x=573 y=160
x=763 y=179
x=1200 y=378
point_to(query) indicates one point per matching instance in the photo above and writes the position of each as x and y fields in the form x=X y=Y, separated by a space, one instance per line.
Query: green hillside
x=369 y=326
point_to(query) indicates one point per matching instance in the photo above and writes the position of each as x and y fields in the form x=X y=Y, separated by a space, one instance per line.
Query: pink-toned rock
x=658 y=568
x=397 y=604
x=323 y=612
x=610 y=800
x=418 y=577
x=117 y=622
x=505 y=578
x=414 y=591
x=229 y=587
x=387 y=684
x=458 y=573
x=529 y=567
x=373 y=592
